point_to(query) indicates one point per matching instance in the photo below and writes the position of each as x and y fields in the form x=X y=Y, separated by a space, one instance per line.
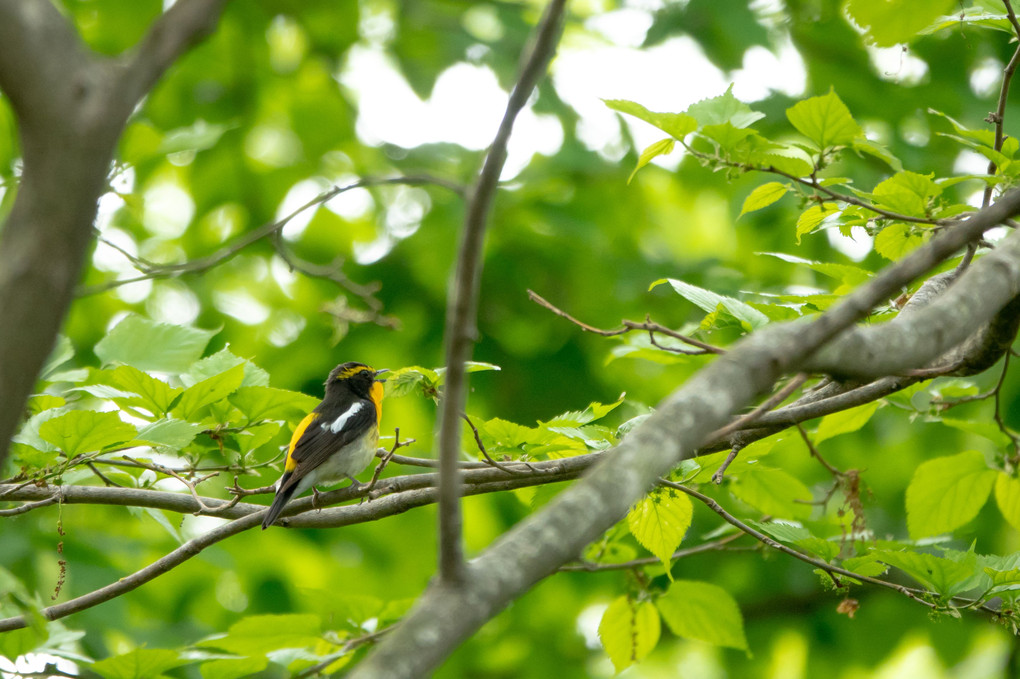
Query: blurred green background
x=289 y=97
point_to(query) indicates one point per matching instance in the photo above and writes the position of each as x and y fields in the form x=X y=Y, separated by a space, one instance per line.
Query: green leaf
x=799 y=536
x=677 y=125
x=152 y=394
x=700 y=610
x=906 y=192
x=811 y=218
x=876 y=150
x=86 y=431
x=233 y=668
x=846 y=273
x=578 y=418
x=773 y=492
x=659 y=522
x=141 y=663
x=724 y=109
x=63 y=351
x=891 y=22
x=1007 y=497
x=988 y=430
x=845 y=421
x=219 y=362
x=663 y=147
x=947 y=492
x=197 y=137
x=709 y=302
x=763 y=196
x=944 y=576
x=825 y=120
x=268 y=403
x=148 y=345
x=404 y=381
x=171 y=433
x=208 y=391
x=259 y=634
x=896 y=240
x=629 y=630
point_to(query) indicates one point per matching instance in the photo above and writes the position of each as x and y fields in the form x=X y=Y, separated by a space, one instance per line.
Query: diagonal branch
x=181 y=27
x=447 y=614
x=462 y=306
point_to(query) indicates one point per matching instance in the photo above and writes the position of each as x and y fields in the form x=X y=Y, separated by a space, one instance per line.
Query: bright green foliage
x=659 y=522
x=161 y=347
x=629 y=630
x=888 y=22
x=763 y=196
x=711 y=302
x=141 y=663
x=947 y=492
x=265 y=110
x=942 y=575
x=825 y=120
x=1007 y=497
x=85 y=431
x=845 y=421
x=678 y=125
x=703 y=611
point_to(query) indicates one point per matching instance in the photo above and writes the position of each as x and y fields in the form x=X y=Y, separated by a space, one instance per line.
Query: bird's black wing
x=317 y=442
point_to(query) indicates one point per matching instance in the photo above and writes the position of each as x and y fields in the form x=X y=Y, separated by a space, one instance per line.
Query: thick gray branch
x=71 y=107
x=917 y=339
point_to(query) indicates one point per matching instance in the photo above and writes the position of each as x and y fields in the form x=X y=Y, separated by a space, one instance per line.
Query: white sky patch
x=588 y=624
x=896 y=64
x=133 y=293
x=856 y=248
x=168 y=209
x=626 y=27
x=667 y=78
x=352 y=204
x=109 y=258
x=284 y=276
x=34 y=662
x=300 y=194
x=390 y=112
x=241 y=305
x=986 y=77
x=173 y=302
x=765 y=72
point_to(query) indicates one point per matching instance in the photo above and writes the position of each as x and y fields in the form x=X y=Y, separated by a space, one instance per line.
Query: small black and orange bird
x=337 y=439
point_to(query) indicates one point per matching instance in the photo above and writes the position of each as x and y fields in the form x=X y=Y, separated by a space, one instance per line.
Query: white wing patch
x=338 y=424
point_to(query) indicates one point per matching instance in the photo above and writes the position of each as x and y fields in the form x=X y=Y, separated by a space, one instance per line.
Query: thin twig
x=488 y=458
x=201 y=264
x=768 y=404
x=462 y=309
x=629 y=326
x=591 y=567
x=815 y=454
x=347 y=647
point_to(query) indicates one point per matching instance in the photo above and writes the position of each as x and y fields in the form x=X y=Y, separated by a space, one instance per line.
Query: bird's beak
x=380 y=372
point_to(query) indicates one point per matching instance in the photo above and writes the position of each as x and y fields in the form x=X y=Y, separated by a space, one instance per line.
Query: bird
x=337 y=439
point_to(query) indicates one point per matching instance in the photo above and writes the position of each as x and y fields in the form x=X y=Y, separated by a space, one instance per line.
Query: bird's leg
x=355 y=484
x=315 y=499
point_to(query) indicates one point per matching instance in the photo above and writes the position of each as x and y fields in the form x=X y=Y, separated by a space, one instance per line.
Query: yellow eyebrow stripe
x=298 y=431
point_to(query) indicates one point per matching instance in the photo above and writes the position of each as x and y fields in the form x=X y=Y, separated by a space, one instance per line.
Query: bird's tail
x=283 y=495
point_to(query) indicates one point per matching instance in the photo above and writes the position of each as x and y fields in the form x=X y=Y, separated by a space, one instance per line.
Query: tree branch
x=536 y=547
x=462 y=306
x=71 y=108
x=181 y=27
x=406 y=493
